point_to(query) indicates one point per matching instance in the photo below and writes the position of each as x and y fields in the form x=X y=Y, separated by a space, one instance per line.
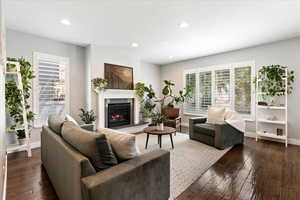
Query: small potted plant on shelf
x=99 y=84
x=13 y=99
x=11 y=67
x=89 y=118
x=159 y=120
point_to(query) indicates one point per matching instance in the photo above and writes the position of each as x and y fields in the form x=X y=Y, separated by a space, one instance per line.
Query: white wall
x=142 y=72
x=2 y=103
x=284 y=52
x=22 y=44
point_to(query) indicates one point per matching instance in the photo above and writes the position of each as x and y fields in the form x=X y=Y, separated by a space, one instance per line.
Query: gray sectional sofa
x=146 y=177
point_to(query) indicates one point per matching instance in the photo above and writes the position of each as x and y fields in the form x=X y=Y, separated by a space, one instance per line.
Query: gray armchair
x=220 y=136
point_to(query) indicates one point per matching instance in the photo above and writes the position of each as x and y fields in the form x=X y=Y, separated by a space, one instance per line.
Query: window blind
x=205 y=91
x=50 y=89
x=222 y=87
x=242 y=103
x=190 y=105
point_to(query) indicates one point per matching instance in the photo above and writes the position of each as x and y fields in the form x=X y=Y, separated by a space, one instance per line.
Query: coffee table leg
x=147 y=141
x=160 y=141
x=172 y=141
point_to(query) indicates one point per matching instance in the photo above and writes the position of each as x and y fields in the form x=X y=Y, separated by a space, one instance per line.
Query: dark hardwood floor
x=255 y=170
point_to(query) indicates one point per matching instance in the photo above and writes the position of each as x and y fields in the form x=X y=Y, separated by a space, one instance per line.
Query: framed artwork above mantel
x=118 y=77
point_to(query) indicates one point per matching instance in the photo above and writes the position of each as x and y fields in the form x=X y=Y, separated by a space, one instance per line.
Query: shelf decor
x=273 y=85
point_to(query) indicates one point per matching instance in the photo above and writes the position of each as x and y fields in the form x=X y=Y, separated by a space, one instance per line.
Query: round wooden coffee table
x=152 y=130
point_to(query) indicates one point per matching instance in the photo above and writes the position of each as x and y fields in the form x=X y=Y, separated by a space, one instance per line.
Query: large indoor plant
x=167 y=100
x=13 y=98
x=271 y=81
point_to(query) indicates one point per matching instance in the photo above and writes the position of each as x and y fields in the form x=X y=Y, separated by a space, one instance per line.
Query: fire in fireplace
x=119 y=112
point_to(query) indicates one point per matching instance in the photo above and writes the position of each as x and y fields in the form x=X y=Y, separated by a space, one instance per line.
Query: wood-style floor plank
x=254 y=171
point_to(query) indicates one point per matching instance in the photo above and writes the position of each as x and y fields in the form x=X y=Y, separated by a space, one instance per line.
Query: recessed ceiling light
x=65 y=22
x=183 y=24
x=134 y=44
x=171 y=57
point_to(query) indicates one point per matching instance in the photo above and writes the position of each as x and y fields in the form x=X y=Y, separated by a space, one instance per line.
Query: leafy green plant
x=88 y=117
x=159 y=118
x=147 y=109
x=99 y=84
x=272 y=80
x=13 y=97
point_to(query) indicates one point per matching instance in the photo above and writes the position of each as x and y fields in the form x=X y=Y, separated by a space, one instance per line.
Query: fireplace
x=118 y=112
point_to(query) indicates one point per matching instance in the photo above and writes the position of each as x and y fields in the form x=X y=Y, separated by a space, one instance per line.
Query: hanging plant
x=13 y=97
x=272 y=80
x=99 y=84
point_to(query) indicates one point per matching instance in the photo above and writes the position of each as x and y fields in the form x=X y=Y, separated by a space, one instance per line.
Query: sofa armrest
x=192 y=121
x=196 y=120
x=145 y=177
x=226 y=136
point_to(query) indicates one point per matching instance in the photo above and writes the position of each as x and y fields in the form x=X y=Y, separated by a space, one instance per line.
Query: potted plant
x=88 y=117
x=13 y=99
x=99 y=84
x=159 y=120
x=272 y=81
x=11 y=67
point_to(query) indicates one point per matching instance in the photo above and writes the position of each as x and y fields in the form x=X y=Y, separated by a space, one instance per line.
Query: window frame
x=231 y=67
x=35 y=86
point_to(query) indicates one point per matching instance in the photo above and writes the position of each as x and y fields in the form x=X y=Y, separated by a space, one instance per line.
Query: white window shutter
x=51 y=87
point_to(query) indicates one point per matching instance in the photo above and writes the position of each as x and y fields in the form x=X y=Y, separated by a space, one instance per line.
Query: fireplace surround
x=119 y=112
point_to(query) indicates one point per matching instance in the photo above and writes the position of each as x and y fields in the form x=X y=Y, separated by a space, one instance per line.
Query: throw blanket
x=235 y=120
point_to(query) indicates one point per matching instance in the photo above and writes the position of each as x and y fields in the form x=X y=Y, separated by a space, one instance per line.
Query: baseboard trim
x=290 y=140
x=33 y=145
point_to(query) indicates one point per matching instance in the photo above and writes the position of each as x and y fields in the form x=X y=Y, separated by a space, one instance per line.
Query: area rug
x=189 y=159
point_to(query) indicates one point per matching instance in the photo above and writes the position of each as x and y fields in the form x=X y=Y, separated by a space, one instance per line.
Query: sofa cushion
x=123 y=144
x=215 y=115
x=207 y=129
x=86 y=143
x=55 y=123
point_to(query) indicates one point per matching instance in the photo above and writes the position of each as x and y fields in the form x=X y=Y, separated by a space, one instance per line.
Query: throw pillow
x=55 y=123
x=86 y=143
x=215 y=115
x=71 y=119
x=108 y=158
x=123 y=144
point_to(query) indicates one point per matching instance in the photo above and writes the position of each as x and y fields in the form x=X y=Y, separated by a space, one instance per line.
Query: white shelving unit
x=18 y=78
x=267 y=127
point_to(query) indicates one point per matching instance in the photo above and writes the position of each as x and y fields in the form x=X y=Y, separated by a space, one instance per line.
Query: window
x=227 y=85
x=50 y=87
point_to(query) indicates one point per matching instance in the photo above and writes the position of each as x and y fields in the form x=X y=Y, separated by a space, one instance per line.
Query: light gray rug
x=189 y=159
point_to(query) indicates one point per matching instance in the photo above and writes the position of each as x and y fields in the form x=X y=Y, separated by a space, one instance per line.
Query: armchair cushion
x=205 y=128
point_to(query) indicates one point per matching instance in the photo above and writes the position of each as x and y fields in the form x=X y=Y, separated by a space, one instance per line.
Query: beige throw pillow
x=216 y=115
x=123 y=144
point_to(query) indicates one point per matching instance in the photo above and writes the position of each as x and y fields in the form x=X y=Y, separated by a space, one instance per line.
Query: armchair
x=174 y=120
x=220 y=136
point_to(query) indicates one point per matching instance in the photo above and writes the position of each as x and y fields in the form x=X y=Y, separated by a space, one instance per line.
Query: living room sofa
x=73 y=177
x=221 y=135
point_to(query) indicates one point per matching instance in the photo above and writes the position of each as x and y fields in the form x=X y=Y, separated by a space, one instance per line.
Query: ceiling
x=215 y=26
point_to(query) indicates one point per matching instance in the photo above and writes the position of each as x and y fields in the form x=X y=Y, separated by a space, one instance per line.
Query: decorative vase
x=160 y=126
x=22 y=141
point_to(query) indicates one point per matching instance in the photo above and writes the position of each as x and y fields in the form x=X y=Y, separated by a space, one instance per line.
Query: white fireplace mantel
x=114 y=94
